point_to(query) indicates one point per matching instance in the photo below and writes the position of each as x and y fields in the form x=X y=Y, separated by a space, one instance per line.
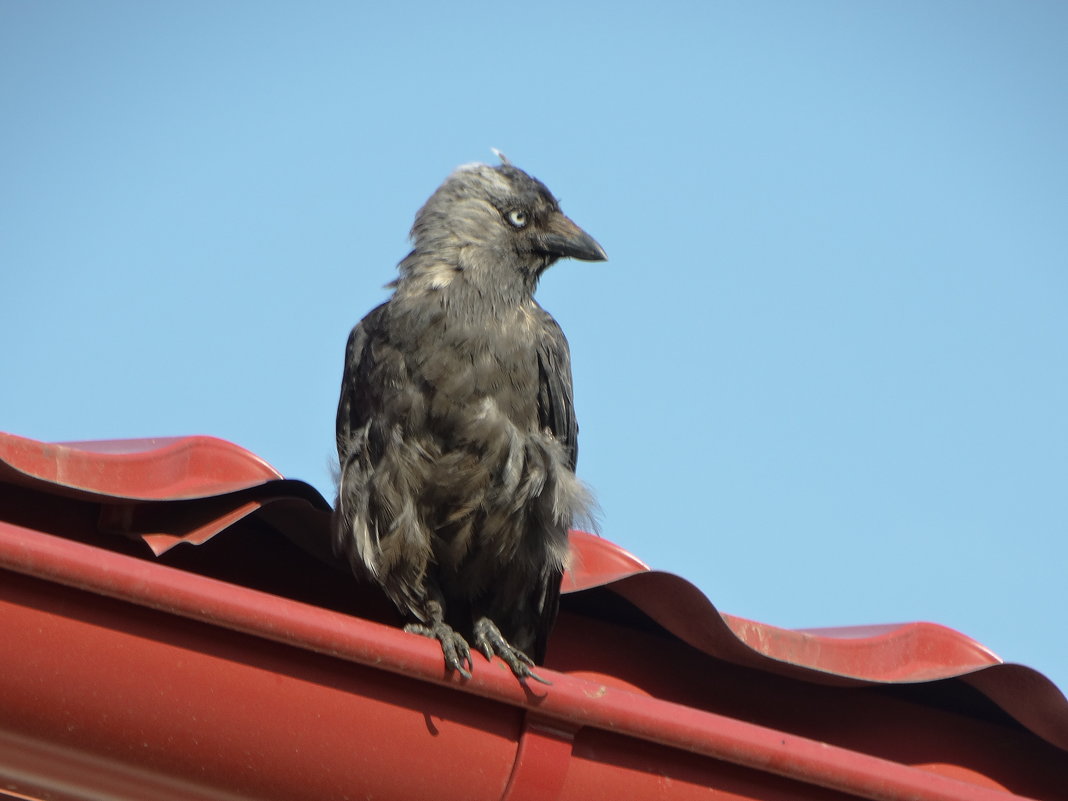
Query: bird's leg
x=490 y=641
x=453 y=646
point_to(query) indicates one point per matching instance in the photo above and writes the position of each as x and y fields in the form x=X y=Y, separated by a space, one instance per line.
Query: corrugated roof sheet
x=171 y=494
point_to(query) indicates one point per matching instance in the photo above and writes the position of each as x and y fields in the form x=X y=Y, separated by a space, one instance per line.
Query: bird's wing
x=352 y=407
x=556 y=407
x=556 y=410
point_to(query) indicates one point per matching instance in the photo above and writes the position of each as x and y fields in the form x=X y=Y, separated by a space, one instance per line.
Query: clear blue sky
x=822 y=376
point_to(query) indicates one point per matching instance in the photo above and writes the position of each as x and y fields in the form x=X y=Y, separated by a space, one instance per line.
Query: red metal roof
x=254 y=665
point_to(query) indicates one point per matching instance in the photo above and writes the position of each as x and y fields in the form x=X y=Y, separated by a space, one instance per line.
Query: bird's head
x=493 y=225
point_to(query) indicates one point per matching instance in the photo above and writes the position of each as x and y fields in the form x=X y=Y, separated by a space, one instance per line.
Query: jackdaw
x=456 y=430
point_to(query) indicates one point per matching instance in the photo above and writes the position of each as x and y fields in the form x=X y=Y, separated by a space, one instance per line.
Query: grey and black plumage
x=456 y=428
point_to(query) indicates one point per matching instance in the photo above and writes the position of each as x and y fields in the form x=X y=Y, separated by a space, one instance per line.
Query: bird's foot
x=490 y=641
x=455 y=648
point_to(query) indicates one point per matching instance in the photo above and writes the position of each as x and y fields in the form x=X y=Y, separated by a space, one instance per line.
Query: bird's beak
x=563 y=238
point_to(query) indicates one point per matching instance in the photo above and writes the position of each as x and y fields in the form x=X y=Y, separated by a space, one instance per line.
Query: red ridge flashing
x=166 y=468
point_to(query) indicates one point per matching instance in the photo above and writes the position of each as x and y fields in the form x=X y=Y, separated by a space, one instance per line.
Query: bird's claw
x=490 y=641
x=453 y=646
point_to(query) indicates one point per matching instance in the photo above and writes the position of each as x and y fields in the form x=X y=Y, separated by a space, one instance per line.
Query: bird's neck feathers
x=470 y=276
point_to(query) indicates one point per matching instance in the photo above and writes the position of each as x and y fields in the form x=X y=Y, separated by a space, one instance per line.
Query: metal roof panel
x=638 y=653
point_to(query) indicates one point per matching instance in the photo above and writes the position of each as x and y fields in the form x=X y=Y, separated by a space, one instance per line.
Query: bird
x=456 y=432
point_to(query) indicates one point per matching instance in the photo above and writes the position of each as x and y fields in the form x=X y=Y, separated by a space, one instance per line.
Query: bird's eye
x=517 y=218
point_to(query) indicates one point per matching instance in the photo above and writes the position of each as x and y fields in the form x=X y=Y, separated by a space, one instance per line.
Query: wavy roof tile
x=118 y=520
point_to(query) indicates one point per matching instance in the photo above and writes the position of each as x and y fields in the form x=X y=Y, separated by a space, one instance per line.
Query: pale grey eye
x=517 y=218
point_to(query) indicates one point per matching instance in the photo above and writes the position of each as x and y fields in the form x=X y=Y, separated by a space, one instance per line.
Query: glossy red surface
x=237 y=665
x=166 y=468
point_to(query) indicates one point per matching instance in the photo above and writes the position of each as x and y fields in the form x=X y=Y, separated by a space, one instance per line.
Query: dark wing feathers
x=352 y=407
x=556 y=407
x=556 y=411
